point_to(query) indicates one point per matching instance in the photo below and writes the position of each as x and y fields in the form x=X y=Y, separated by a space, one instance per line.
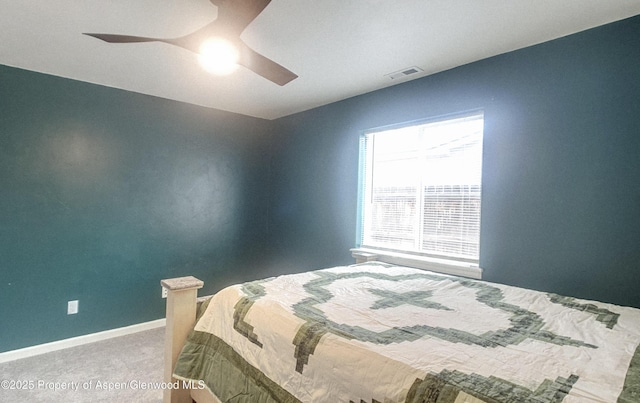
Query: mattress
x=381 y=333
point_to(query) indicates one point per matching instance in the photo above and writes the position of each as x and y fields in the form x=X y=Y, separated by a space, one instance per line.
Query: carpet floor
x=122 y=369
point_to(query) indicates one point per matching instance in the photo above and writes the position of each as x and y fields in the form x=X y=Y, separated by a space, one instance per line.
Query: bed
x=376 y=332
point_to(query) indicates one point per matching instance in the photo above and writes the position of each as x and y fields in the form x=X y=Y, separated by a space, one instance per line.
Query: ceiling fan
x=233 y=17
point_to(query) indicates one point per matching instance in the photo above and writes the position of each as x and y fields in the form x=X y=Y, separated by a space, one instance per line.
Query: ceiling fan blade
x=264 y=67
x=185 y=42
x=123 y=38
x=235 y=15
x=233 y=18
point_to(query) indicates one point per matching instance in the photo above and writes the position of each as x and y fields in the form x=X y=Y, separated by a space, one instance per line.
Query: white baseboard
x=80 y=340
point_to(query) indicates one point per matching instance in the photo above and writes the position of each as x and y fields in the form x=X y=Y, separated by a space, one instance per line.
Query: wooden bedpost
x=181 y=317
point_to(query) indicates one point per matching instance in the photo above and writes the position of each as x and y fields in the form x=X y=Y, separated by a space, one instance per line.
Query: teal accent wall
x=106 y=192
x=561 y=177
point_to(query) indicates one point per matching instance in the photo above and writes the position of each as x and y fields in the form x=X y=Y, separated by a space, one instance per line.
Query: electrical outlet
x=164 y=292
x=72 y=307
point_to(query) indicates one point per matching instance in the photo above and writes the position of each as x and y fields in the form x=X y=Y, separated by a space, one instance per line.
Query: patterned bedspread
x=380 y=333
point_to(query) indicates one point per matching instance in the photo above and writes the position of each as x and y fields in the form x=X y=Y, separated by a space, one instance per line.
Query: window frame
x=444 y=264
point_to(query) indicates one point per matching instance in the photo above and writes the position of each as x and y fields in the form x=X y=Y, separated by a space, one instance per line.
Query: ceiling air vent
x=409 y=71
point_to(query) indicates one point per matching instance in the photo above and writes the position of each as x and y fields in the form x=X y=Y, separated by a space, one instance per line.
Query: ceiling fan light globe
x=218 y=56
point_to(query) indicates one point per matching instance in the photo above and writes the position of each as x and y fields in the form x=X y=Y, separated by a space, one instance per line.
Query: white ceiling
x=338 y=48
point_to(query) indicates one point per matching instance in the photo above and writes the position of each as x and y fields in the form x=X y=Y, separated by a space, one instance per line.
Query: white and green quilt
x=380 y=333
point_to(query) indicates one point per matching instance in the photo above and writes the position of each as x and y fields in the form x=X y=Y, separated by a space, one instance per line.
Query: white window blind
x=422 y=188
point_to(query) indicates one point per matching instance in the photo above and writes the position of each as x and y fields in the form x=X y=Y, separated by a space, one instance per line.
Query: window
x=421 y=188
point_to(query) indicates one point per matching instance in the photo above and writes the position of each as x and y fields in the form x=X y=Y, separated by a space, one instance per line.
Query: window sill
x=426 y=263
